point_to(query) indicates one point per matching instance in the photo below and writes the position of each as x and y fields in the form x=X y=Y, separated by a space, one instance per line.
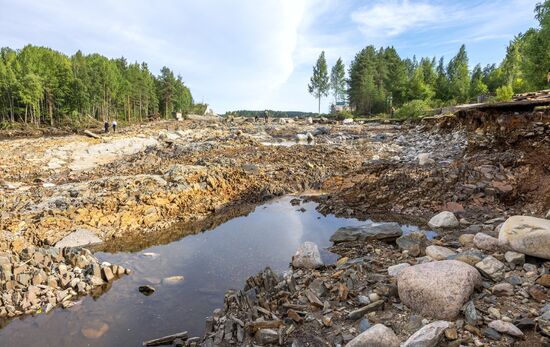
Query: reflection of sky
x=211 y=263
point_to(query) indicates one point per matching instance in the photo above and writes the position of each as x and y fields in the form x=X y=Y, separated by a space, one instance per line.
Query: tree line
x=379 y=79
x=39 y=85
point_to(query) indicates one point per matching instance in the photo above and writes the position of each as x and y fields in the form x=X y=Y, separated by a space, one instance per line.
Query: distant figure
x=114 y=126
x=392 y=111
x=266 y=116
x=548 y=78
x=256 y=119
x=106 y=126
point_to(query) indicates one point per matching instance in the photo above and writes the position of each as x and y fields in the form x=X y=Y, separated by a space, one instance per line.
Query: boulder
x=414 y=242
x=485 y=242
x=78 y=238
x=378 y=335
x=428 y=336
x=437 y=289
x=528 y=235
x=307 y=256
x=443 y=220
x=439 y=252
x=372 y=231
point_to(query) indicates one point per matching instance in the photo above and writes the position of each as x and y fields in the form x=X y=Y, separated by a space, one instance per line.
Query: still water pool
x=211 y=262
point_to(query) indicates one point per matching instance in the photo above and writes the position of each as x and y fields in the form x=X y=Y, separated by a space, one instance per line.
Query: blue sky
x=258 y=54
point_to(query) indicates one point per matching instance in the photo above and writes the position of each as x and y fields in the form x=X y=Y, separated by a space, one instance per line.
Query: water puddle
x=210 y=262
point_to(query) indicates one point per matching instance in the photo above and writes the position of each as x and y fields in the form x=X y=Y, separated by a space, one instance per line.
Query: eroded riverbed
x=210 y=262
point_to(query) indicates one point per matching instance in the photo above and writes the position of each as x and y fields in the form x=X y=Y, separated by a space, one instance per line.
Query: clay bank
x=360 y=280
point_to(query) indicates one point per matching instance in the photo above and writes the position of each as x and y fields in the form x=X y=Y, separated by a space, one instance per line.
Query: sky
x=258 y=54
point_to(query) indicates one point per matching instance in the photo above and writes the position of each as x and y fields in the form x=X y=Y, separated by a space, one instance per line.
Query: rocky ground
x=480 y=168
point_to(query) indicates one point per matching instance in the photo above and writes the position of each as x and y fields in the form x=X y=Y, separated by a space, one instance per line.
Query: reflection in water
x=211 y=262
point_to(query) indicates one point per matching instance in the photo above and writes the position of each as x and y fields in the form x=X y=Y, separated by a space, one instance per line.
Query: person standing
x=106 y=126
x=114 y=125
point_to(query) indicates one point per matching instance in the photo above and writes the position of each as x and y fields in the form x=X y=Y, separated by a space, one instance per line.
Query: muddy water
x=211 y=262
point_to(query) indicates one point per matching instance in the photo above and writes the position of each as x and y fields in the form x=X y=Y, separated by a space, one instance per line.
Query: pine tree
x=338 y=81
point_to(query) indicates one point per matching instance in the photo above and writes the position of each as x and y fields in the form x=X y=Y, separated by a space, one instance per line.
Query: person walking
x=106 y=126
x=114 y=125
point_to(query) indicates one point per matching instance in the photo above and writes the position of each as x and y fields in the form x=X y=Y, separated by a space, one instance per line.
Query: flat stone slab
x=373 y=231
x=78 y=238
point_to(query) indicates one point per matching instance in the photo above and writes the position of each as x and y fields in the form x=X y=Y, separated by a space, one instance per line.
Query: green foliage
x=413 y=109
x=319 y=85
x=504 y=93
x=338 y=81
x=41 y=86
x=341 y=115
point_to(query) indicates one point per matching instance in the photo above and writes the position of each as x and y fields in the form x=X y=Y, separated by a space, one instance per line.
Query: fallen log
x=91 y=134
x=166 y=340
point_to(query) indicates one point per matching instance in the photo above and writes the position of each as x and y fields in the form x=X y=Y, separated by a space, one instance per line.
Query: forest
x=39 y=85
x=379 y=80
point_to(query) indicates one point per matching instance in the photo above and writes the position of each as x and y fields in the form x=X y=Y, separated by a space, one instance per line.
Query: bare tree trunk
x=319 y=105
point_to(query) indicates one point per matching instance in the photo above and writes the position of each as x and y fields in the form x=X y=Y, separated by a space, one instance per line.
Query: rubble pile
x=36 y=280
x=469 y=291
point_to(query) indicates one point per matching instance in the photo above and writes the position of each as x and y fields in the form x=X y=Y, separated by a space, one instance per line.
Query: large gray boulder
x=376 y=336
x=367 y=232
x=428 y=336
x=443 y=220
x=528 y=235
x=437 y=289
x=307 y=256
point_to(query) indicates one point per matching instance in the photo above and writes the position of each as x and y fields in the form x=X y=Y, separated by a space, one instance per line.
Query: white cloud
x=395 y=17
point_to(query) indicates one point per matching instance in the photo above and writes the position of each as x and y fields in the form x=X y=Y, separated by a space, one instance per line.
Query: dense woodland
x=39 y=85
x=379 y=79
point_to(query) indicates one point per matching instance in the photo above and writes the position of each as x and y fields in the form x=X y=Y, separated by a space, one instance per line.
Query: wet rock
x=437 y=289
x=373 y=231
x=439 y=252
x=394 y=270
x=414 y=242
x=78 y=238
x=379 y=335
x=94 y=329
x=443 y=220
x=307 y=256
x=492 y=268
x=528 y=235
x=485 y=242
x=514 y=258
x=428 y=336
x=172 y=280
x=505 y=328
x=146 y=290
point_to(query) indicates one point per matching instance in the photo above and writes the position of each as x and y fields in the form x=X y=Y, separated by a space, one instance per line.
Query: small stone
x=503 y=289
x=307 y=256
x=466 y=240
x=428 y=336
x=485 y=242
x=492 y=268
x=378 y=335
x=364 y=300
x=266 y=336
x=470 y=313
x=414 y=243
x=172 y=280
x=451 y=334
x=491 y=334
x=494 y=312
x=364 y=325
x=439 y=252
x=505 y=328
x=107 y=273
x=444 y=219
x=146 y=290
x=544 y=280
x=94 y=329
x=514 y=258
x=360 y=312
